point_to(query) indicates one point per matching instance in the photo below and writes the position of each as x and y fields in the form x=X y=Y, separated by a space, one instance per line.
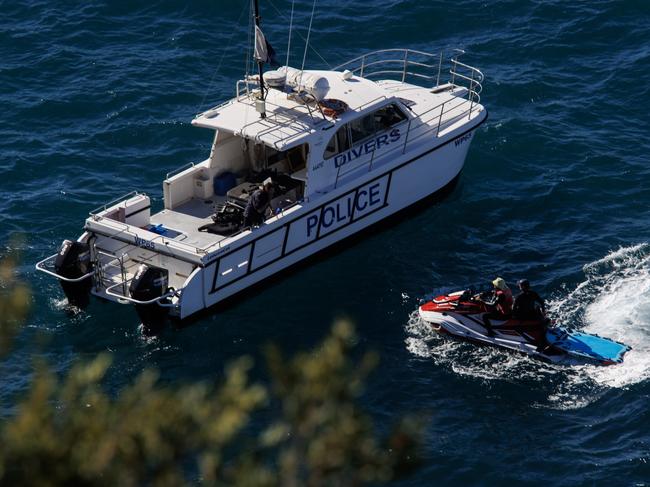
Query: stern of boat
x=123 y=258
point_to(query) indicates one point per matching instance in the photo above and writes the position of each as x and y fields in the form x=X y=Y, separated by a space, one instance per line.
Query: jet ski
x=461 y=314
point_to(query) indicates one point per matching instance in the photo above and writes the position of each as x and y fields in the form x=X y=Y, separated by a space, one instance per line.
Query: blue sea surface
x=96 y=99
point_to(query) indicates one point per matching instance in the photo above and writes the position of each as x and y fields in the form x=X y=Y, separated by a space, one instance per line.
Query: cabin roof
x=287 y=121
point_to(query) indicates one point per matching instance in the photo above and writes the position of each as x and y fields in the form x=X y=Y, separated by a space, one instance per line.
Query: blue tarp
x=585 y=345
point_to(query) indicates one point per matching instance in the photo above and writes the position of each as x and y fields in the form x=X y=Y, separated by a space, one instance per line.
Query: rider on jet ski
x=502 y=307
x=529 y=306
x=525 y=305
x=501 y=302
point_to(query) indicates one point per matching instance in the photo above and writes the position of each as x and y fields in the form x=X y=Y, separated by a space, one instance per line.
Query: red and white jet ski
x=461 y=314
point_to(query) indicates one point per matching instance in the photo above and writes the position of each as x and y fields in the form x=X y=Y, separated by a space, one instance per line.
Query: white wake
x=613 y=301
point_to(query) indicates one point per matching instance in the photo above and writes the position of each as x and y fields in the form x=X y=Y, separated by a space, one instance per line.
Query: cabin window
x=339 y=142
x=388 y=116
x=343 y=139
x=330 y=150
x=362 y=128
x=297 y=157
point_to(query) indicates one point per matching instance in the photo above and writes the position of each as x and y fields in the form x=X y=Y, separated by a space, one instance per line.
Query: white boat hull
x=469 y=329
x=338 y=167
x=343 y=213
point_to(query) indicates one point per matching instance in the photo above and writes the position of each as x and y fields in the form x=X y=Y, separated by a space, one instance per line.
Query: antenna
x=304 y=57
x=260 y=64
x=290 y=28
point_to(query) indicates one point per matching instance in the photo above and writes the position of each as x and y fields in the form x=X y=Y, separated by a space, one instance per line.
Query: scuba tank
x=73 y=261
x=149 y=283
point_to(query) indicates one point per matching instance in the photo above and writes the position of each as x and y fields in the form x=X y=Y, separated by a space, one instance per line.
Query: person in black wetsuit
x=524 y=307
x=257 y=205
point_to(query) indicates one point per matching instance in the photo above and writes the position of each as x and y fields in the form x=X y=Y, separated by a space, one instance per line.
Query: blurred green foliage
x=14 y=303
x=309 y=428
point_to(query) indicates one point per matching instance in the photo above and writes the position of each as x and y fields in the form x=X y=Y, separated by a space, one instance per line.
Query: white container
x=203 y=186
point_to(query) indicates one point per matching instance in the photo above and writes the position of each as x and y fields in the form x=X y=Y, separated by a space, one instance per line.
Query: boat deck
x=186 y=220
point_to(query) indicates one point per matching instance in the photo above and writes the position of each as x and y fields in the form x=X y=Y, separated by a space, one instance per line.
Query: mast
x=260 y=64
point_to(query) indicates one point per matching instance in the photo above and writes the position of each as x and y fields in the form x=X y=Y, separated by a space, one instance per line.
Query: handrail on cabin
x=411 y=63
x=115 y=201
x=179 y=170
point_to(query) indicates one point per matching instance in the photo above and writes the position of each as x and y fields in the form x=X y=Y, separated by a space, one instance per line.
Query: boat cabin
x=306 y=145
x=223 y=184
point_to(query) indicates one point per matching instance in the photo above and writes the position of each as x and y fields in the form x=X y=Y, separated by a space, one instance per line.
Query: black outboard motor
x=149 y=283
x=73 y=261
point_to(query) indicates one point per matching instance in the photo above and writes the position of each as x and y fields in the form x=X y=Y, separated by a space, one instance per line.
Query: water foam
x=73 y=313
x=613 y=301
x=467 y=359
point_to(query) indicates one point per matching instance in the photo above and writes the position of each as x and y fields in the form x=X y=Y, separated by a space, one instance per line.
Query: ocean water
x=96 y=99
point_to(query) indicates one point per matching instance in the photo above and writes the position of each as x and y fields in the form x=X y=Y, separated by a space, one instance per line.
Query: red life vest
x=504 y=301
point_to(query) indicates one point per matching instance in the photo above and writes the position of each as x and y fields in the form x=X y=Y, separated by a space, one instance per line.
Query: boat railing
x=124 y=298
x=425 y=124
x=279 y=120
x=179 y=170
x=47 y=266
x=286 y=125
x=472 y=77
x=364 y=105
x=114 y=201
x=400 y=63
x=114 y=261
x=110 y=283
x=283 y=140
x=404 y=64
x=122 y=228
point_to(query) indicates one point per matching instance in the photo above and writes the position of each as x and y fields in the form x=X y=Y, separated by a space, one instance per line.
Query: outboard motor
x=73 y=261
x=149 y=283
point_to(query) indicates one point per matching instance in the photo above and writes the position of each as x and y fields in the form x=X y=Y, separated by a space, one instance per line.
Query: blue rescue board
x=587 y=346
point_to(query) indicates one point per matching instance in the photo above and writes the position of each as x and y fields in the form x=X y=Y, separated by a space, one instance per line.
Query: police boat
x=461 y=315
x=344 y=149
